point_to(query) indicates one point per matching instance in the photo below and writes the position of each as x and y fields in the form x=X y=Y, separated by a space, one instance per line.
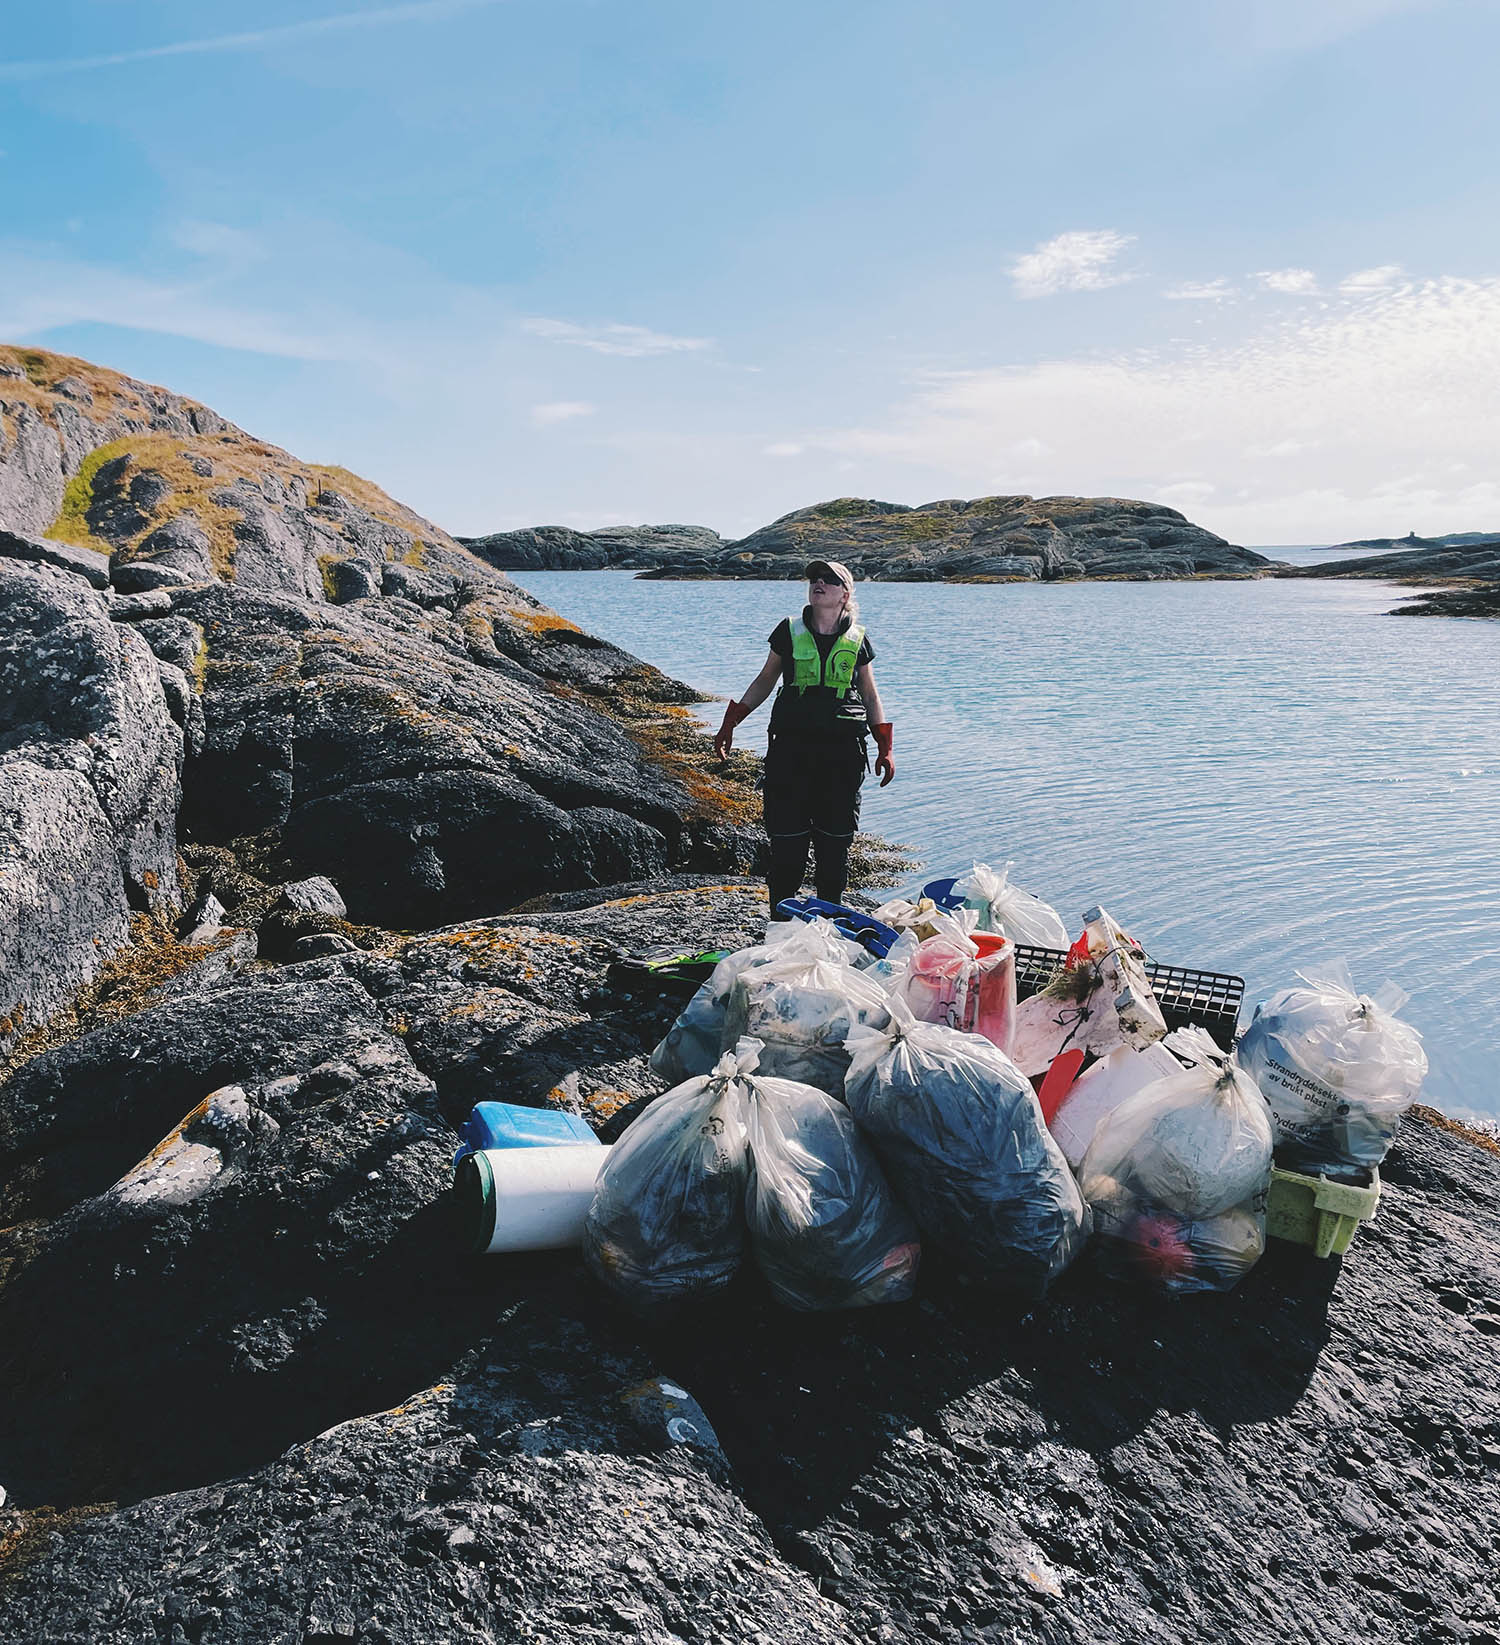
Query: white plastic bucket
x=527 y=1199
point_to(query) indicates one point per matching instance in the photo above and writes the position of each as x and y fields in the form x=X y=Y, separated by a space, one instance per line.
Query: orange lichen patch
x=153 y=957
x=538 y=622
x=28 y=1538
x=606 y=1101
x=1457 y=1128
x=174 y=1134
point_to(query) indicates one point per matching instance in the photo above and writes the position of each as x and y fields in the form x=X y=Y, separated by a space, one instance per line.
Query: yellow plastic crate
x=1314 y=1211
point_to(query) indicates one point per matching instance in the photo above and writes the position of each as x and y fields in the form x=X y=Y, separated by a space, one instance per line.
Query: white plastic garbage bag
x=958 y=1129
x=1007 y=909
x=801 y=1007
x=1337 y=1069
x=694 y=1043
x=1097 y=1004
x=668 y=1215
x=1101 y=1088
x=824 y=1226
x=891 y=967
x=1177 y=1178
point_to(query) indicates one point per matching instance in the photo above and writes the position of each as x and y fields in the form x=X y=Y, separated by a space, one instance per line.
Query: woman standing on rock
x=816 y=757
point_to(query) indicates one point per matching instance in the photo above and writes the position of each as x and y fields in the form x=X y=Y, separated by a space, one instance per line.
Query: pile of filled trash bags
x=837 y=1104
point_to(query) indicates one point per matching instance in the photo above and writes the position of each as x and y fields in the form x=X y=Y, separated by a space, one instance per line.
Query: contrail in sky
x=419 y=11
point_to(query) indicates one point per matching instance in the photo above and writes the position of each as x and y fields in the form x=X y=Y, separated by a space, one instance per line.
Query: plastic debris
x=1337 y=1068
x=1100 y=1001
x=667 y=1220
x=825 y=1228
x=963 y=1142
x=1177 y=1177
x=964 y=983
x=1008 y=910
x=800 y=1008
x=1101 y=1089
x=696 y=1041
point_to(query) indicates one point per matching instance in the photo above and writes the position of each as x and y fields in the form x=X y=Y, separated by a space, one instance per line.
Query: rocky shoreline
x=1460 y=575
x=314 y=830
x=982 y=540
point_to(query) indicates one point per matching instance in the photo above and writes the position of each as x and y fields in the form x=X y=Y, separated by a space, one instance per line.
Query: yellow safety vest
x=808 y=666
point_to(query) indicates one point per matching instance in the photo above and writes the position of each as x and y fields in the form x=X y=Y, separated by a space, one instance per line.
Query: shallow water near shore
x=1251 y=776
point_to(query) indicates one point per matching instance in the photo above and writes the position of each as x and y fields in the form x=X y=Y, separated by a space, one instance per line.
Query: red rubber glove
x=724 y=736
x=885 y=766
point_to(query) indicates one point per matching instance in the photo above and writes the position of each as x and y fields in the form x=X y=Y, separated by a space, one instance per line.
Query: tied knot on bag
x=863 y=1040
x=736 y=1064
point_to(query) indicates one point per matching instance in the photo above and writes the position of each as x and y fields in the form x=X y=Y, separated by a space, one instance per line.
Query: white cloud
x=1371 y=279
x=631 y=342
x=250 y=39
x=1365 y=407
x=39 y=292
x=784 y=448
x=1293 y=282
x=1201 y=291
x=561 y=411
x=1078 y=261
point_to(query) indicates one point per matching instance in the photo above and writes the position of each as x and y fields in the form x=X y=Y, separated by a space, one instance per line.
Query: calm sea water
x=1249 y=776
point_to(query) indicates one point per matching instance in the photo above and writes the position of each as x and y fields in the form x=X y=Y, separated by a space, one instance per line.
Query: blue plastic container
x=505 y=1125
x=859 y=926
x=941 y=892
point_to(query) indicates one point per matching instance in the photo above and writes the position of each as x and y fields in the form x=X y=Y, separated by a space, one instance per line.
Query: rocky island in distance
x=252 y=1392
x=977 y=540
x=1458 y=573
x=1003 y=539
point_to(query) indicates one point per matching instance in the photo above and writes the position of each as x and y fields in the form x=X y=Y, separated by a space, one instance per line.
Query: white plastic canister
x=527 y=1199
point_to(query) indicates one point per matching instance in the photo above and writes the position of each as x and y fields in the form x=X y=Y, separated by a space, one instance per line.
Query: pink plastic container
x=974 y=993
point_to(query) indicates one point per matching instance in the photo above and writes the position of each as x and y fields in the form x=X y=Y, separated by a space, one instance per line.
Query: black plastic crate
x=1211 y=999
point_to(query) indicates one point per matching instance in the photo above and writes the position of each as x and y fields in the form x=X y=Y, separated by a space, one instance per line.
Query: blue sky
x=588 y=261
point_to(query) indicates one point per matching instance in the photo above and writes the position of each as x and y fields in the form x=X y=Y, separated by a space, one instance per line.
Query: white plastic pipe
x=536 y=1199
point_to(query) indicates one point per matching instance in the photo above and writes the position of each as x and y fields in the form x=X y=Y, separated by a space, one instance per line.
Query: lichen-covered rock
x=316 y=895
x=82 y=562
x=980 y=539
x=534 y=1493
x=435 y=774
x=558 y=548
x=90 y=762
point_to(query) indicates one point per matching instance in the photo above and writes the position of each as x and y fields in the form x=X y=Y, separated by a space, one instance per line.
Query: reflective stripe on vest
x=808 y=667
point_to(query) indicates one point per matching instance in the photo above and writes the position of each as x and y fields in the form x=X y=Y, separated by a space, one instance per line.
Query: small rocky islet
x=316 y=830
x=978 y=540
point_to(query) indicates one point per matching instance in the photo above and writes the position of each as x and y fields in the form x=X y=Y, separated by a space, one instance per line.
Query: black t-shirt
x=819 y=708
